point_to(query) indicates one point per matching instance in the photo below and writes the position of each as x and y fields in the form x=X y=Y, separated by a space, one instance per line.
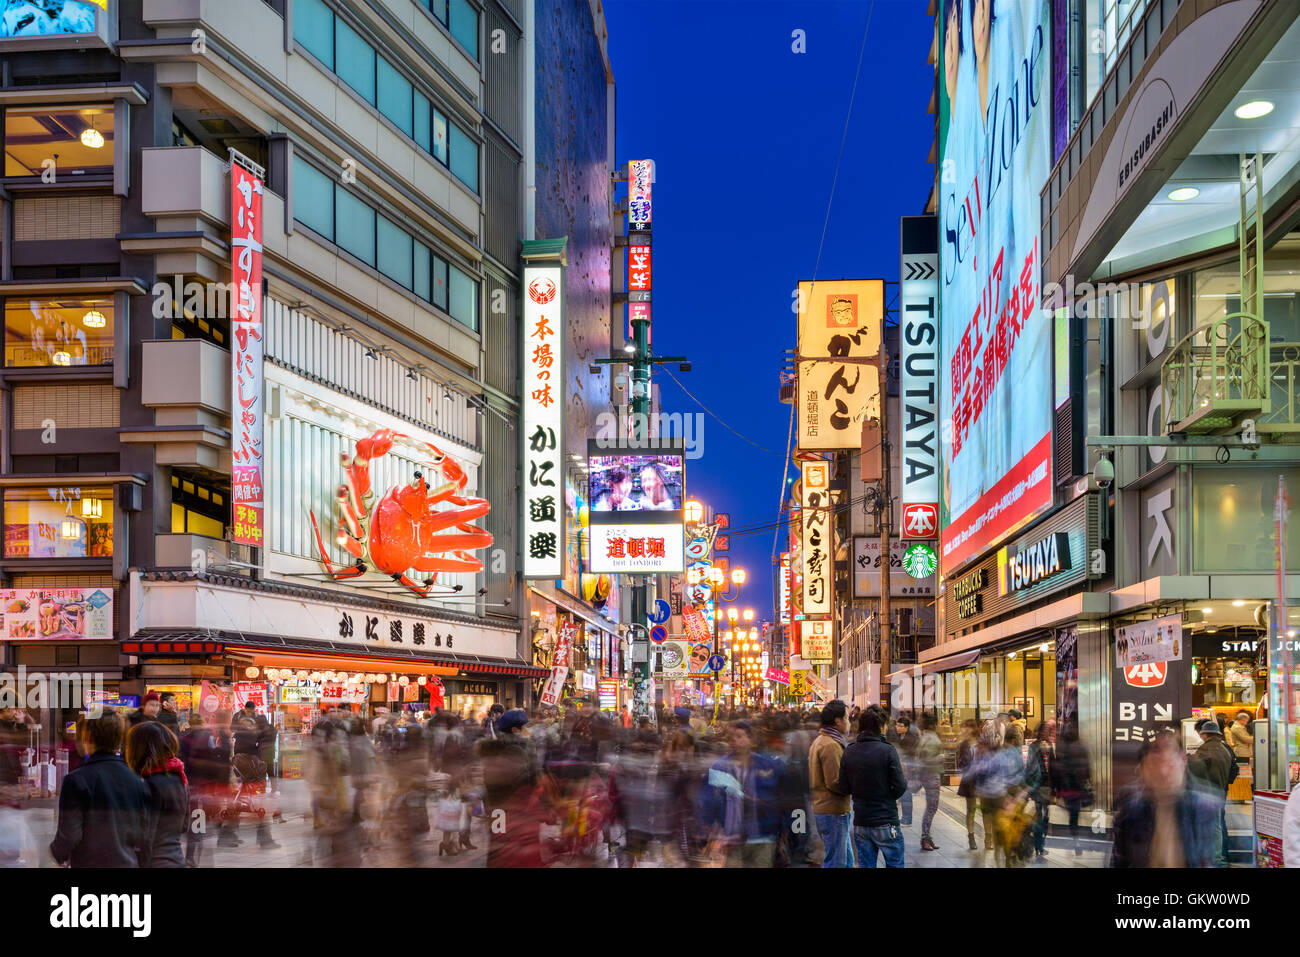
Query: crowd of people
x=772 y=788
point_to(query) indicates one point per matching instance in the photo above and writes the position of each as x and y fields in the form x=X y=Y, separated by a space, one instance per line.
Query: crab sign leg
x=421 y=590
x=351 y=571
x=352 y=521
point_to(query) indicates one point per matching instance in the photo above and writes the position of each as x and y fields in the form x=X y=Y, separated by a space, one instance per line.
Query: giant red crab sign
x=406 y=524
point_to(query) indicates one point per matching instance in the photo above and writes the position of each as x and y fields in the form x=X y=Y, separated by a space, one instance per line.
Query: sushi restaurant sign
x=56 y=614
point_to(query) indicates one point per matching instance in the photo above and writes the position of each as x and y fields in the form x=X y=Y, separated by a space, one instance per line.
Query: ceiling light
x=1291 y=633
x=1237 y=603
x=1184 y=193
x=630 y=348
x=1207 y=610
x=94 y=320
x=61 y=359
x=1043 y=647
x=94 y=139
x=1247 y=111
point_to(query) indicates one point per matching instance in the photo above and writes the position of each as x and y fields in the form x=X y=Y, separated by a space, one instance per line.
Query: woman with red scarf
x=151 y=752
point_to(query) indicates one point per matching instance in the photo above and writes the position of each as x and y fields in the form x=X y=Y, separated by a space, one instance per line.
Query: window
x=464 y=25
x=439 y=137
x=79 y=139
x=344 y=218
x=423 y=115
x=355 y=61
x=58 y=332
x=354 y=226
x=394 y=252
x=313 y=27
x=58 y=522
x=198 y=507
x=395 y=97
x=313 y=198
x=1232 y=519
x=464 y=157
x=463 y=296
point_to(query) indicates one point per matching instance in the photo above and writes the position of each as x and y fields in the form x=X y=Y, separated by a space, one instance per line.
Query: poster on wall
x=817 y=641
x=246 y=386
x=1149 y=641
x=56 y=614
x=256 y=692
x=674 y=659
x=542 y=462
x=559 y=666
x=815 y=523
x=995 y=342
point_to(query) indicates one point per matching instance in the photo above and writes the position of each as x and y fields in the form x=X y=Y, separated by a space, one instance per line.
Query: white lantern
x=381 y=679
x=403 y=681
x=252 y=672
x=302 y=674
x=359 y=678
x=272 y=674
x=316 y=677
x=392 y=677
x=422 y=681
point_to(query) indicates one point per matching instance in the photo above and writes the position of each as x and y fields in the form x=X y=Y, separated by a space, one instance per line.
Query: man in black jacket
x=104 y=807
x=871 y=772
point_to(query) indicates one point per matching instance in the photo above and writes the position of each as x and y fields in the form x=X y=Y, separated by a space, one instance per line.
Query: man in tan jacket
x=831 y=807
x=1240 y=737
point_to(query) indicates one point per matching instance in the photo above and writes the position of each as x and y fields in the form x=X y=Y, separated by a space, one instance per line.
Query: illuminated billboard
x=839 y=353
x=635 y=511
x=995 y=342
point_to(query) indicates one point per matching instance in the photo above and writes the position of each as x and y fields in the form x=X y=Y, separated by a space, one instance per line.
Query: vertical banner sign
x=817 y=548
x=246 y=355
x=839 y=361
x=918 y=371
x=1151 y=689
x=559 y=667
x=787 y=614
x=995 y=340
x=638 y=269
x=639 y=175
x=543 y=415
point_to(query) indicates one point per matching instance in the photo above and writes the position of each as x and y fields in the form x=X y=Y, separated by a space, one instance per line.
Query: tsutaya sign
x=918 y=373
x=246 y=350
x=542 y=461
x=1033 y=562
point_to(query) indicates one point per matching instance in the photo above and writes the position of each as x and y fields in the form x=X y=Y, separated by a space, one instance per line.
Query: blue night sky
x=745 y=134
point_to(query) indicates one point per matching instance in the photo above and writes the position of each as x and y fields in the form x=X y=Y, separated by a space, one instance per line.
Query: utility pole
x=884 y=518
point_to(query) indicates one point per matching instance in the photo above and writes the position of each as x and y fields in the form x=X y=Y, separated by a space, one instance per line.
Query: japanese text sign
x=543 y=423
x=246 y=354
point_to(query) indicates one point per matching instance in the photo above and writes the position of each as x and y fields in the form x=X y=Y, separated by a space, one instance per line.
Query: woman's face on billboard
x=980 y=23
x=951 y=49
x=651 y=485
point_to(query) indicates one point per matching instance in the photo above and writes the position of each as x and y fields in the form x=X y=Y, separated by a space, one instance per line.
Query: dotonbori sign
x=1032 y=563
x=246 y=351
x=918 y=372
x=543 y=421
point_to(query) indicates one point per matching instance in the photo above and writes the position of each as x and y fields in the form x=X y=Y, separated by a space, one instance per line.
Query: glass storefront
x=81 y=137
x=58 y=522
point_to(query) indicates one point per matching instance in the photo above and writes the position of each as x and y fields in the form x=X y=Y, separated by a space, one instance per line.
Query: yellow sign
x=841 y=320
x=797 y=686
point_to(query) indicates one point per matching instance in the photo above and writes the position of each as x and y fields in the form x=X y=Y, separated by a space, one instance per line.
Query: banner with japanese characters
x=543 y=423
x=246 y=412
x=640 y=174
x=838 y=388
x=817 y=549
x=559 y=666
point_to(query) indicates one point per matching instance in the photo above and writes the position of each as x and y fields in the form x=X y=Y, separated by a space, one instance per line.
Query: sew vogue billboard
x=995 y=136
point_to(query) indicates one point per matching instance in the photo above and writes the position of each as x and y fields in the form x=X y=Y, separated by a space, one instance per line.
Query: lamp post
x=734 y=581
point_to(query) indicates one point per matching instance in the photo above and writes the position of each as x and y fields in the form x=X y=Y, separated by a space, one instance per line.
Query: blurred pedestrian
x=1038 y=780
x=739 y=802
x=104 y=806
x=509 y=779
x=1163 y=822
x=152 y=753
x=831 y=806
x=1240 y=738
x=967 y=752
x=148 y=710
x=929 y=768
x=907 y=740
x=1214 y=767
x=871 y=772
x=168 y=716
x=1072 y=782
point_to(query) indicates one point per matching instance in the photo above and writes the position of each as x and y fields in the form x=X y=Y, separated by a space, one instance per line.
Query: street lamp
x=732 y=615
x=749 y=614
x=694 y=512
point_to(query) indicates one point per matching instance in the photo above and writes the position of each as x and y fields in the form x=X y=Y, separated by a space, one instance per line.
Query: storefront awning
x=951 y=662
x=262 y=649
x=577 y=609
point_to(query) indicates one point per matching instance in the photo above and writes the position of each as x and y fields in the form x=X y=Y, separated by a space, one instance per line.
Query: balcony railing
x=1218 y=375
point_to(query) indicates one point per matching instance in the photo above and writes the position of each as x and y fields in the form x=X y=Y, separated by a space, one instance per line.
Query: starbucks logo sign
x=920 y=561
